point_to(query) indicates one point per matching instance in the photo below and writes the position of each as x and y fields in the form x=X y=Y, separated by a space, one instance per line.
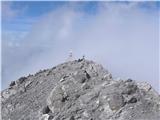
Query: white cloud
x=122 y=37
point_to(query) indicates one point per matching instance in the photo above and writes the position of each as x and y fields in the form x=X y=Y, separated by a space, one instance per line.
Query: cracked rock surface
x=78 y=90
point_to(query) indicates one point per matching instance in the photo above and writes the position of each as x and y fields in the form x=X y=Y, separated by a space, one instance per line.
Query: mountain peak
x=78 y=90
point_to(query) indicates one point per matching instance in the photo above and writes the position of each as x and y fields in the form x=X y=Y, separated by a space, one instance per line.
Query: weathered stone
x=44 y=117
x=129 y=80
x=107 y=76
x=21 y=80
x=87 y=75
x=46 y=110
x=27 y=83
x=145 y=86
x=12 y=83
x=79 y=60
x=55 y=99
x=85 y=86
x=128 y=87
x=72 y=118
x=82 y=76
x=132 y=100
x=50 y=117
x=86 y=92
x=116 y=101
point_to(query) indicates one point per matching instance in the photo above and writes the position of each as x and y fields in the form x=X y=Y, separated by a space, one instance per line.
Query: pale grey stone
x=78 y=90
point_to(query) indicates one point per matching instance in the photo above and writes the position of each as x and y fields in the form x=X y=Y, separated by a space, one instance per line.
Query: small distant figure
x=70 y=54
x=70 y=57
x=83 y=57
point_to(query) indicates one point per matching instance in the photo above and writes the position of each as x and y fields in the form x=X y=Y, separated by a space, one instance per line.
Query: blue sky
x=26 y=13
x=33 y=9
x=123 y=36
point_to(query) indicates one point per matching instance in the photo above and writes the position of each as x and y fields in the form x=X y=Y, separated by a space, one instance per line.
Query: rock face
x=78 y=90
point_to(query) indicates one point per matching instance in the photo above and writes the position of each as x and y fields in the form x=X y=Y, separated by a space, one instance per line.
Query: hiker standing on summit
x=70 y=57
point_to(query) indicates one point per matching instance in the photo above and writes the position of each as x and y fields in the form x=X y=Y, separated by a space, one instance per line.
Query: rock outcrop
x=78 y=90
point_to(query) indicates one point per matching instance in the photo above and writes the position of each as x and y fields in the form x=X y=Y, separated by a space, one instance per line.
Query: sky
x=122 y=36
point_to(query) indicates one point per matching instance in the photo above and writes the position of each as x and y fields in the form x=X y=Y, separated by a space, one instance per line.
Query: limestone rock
x=116 y=101
x=78 y=90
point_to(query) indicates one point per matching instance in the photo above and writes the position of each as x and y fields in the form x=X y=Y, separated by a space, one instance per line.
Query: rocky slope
x=78 y=90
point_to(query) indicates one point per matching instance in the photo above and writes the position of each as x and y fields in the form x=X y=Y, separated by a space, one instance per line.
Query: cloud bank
x=122 y=37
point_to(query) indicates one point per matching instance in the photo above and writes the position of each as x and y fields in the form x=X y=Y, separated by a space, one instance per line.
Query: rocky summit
x=78 y=90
